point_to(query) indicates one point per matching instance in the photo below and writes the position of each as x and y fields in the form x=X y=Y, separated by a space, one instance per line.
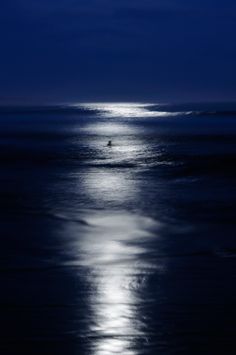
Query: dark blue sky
x=86 y=50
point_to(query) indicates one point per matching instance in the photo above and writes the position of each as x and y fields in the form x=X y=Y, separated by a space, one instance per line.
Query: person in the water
x=109 y=144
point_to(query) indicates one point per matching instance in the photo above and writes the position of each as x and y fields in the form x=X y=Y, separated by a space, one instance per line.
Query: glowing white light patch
x=112 y=253
x=108 y=128
x=107 y=186
x=125 y=110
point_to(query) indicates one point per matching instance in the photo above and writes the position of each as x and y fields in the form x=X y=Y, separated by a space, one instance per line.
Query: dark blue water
x=128 y=249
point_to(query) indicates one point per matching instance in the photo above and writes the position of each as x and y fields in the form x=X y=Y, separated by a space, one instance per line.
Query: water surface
x=128 y=249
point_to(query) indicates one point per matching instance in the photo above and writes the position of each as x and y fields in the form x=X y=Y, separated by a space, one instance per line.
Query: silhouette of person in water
x=109 y=144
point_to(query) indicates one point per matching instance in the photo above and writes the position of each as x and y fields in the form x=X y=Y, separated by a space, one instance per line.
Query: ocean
x=123 y=249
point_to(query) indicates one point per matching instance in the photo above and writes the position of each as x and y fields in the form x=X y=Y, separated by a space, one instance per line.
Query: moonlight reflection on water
x=113 y=254
x=118 y=249
x=126 y=110
x=113 y=249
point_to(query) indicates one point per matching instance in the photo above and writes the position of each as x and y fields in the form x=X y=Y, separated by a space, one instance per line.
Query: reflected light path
x=112 y=185
x=117 y=268
x=112 y=250
x=111 y=179
x=109 y=128
x=128 y=147
x=126 y=110
x=118 y=281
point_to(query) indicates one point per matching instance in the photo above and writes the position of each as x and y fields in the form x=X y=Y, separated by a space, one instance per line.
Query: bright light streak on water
x=128 y=249
x=107 y=186
x=125 y=110
x=128 y=147
x=117 y=271
x=112 y=248
x=109 y=128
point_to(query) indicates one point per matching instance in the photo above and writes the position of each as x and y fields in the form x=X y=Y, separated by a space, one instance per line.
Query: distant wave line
x=112 y=110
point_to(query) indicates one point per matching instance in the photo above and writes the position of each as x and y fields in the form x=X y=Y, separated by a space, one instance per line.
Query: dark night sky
x=85 y=50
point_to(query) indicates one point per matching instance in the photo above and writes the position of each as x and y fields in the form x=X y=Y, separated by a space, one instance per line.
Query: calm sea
x=123 y=249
